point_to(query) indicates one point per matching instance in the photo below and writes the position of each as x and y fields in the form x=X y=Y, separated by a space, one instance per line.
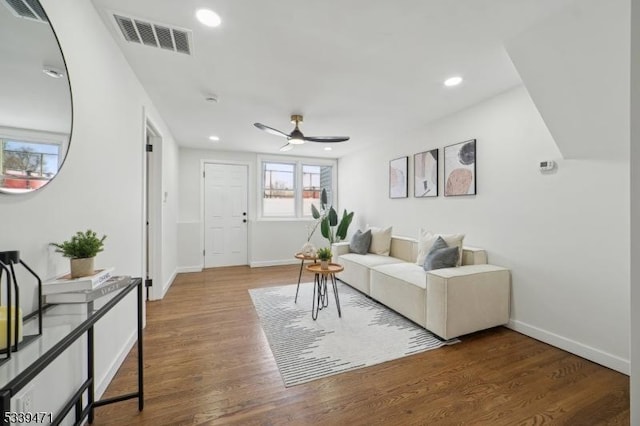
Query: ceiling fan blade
x=326 y=139
x=286 y=147
x=270 y=130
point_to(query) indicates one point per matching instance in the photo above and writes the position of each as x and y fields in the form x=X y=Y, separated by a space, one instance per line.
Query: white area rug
x=367 y=334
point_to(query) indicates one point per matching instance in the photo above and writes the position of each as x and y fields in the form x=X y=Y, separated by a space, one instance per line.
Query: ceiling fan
x=296 y=137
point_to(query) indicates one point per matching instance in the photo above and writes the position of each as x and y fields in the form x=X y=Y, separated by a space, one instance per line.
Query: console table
x=30 y=360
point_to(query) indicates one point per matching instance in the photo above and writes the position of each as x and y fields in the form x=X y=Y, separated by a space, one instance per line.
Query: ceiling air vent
x=136 y=30
x=29 y=9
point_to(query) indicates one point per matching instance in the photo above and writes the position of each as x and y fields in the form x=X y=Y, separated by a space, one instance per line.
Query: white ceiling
x=361 y=68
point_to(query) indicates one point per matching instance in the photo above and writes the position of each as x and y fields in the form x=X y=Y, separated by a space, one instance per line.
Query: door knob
x=244 y=220
x=244 y=213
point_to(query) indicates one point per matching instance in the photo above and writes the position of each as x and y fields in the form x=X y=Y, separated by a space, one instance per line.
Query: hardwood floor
x=208 y=362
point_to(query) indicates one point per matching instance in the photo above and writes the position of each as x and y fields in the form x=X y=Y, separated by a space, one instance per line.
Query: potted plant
x=332 y=227
x=82 y=249
x=324 y=254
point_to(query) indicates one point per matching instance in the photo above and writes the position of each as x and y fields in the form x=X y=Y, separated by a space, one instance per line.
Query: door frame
x=250 y=216
x=150 y=131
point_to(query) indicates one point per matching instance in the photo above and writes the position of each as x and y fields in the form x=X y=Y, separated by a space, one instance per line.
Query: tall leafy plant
x=331 y=227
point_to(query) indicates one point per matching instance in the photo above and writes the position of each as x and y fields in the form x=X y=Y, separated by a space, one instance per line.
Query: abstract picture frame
x=398 y=177
x=425 y=174
x=460 y=169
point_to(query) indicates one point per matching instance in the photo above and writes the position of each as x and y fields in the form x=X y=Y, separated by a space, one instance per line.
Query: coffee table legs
x=299 y=277
x=335 y=293
x=321 y=295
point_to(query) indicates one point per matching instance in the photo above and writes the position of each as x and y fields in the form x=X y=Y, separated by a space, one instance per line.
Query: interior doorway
x=225 y=214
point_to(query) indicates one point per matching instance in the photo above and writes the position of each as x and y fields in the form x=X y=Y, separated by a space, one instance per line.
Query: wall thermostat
x=545 y=166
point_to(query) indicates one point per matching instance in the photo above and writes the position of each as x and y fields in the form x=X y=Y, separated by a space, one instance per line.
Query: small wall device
x=545 y=166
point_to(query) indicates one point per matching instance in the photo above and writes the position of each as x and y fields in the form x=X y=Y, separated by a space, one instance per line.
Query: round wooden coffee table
x=302 y=257
x=320 y=293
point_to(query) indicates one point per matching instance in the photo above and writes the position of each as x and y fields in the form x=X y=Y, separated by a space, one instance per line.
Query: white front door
x=225 y=215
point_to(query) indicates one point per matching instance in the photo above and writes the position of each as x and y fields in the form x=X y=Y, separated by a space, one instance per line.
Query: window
x=26 y=165
x=314 y=179
x=278 y=198
x=290 y=187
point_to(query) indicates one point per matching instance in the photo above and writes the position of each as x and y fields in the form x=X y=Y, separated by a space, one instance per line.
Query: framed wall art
x=460 y=168
x=425 y=174
x=398 y=179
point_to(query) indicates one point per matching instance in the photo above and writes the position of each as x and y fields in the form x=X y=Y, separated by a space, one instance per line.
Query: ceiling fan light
x=296 y=137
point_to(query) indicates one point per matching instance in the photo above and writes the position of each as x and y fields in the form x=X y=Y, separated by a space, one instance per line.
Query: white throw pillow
x=380 y=240
x=426 y=240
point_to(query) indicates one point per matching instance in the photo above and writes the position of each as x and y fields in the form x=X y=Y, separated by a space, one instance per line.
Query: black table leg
x=335 y=293
x=299 y=277
x=315 y=303
x=325 y=294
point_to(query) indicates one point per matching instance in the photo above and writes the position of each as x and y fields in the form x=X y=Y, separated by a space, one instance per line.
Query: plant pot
x=82 y=267
x=324 y=264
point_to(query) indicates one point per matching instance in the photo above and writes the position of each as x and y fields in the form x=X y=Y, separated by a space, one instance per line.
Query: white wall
x=100 y=186
x=289 y=234
x=170 y=198
x=563 y=235
x=635 y=212
x=575 y=65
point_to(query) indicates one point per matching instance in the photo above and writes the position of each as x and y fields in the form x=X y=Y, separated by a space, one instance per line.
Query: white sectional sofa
x=448 y=302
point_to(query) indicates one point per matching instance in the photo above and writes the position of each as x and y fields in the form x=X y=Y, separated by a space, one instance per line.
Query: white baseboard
x=596 y=355
x=263 y=263
x=101 y=385
x=167 y=285
x=188 y=269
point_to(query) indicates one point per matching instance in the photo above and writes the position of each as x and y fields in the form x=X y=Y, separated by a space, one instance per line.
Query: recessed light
x=52 y=72
x=453 y=81
x=327 y=148
x=208 y=17
x=214 y=138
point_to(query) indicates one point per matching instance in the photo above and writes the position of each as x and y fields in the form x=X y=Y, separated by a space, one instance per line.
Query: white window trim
x=298 y=162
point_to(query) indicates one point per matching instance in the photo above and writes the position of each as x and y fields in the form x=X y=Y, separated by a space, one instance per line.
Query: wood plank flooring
x=208 y=362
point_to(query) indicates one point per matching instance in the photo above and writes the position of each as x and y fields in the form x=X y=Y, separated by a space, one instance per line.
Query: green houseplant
x=82 y=249
x=324 y=254
x=331 y=228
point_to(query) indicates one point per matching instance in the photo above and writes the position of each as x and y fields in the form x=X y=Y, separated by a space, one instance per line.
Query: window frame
x=298 y=163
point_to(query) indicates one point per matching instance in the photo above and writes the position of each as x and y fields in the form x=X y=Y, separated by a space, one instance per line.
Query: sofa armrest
x=467 y=299
x=338 y=249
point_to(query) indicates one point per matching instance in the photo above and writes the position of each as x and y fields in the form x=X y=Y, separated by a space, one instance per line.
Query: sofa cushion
x=380 y=240
x=426 y=240
x=401 y=287
x=357 y=269
x=360 y=242
x=369 y=260
x=405 y=271
x=441 y=256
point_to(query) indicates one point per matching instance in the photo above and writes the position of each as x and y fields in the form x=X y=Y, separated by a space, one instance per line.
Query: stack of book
x=65 y=289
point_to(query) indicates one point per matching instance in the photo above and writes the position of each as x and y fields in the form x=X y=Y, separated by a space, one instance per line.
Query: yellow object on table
x=3 y=326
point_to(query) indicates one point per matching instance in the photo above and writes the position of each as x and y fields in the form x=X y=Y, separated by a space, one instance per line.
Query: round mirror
x=35 y=105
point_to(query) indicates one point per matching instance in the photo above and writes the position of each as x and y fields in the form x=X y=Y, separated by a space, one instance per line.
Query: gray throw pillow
x=360 y=242
x=441 y=256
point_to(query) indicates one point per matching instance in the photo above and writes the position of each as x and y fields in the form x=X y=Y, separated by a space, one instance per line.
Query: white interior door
x=225 y=215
